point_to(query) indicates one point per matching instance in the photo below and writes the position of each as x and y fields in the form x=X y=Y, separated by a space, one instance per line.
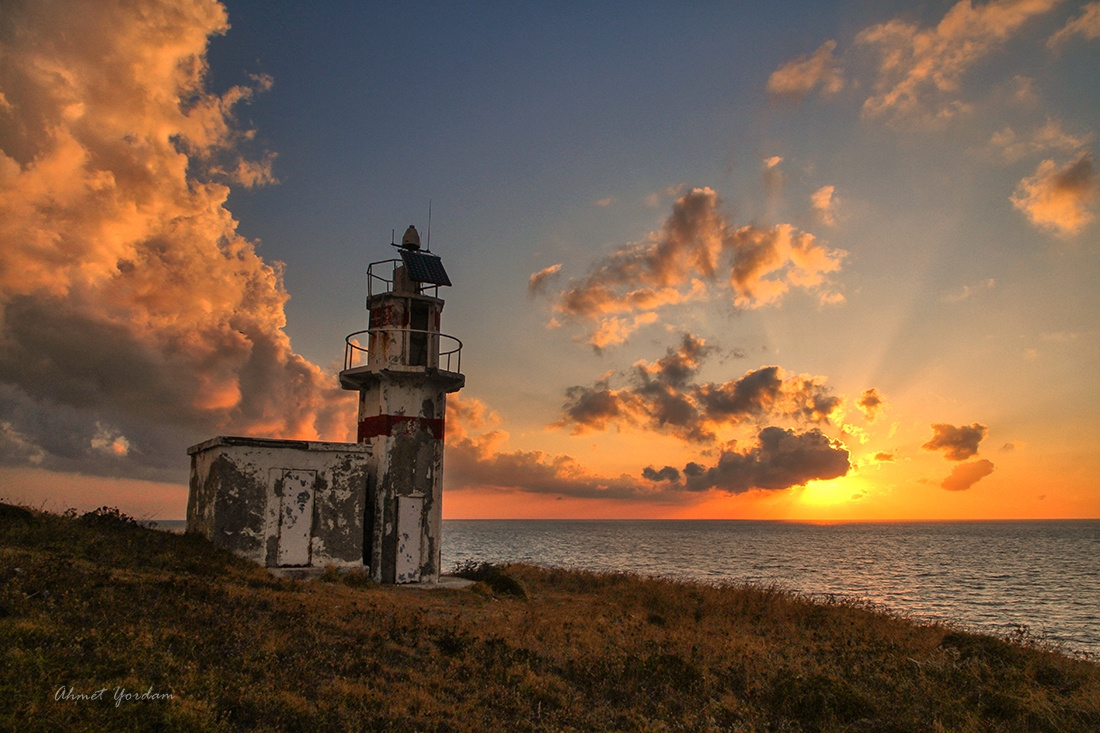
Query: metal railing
x=412 y=347
x=377 y=283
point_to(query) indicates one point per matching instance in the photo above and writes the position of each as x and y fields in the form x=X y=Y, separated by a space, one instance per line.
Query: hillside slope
x=105 y=625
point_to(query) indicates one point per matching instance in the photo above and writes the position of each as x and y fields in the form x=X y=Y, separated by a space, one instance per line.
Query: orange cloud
x=824 y=203
x=965 y=475
x=1051 y=136
x=920 y=69
x=800 y=77
x=958 y=443
x=870 y=403
x=676 y=264
x=477 y=460
x=128 y=298
x=537 y=281
x=1058 y=199
x=1086 y=25
x=781 y=459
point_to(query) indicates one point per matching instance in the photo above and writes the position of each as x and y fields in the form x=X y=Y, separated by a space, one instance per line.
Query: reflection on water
x=991 y=576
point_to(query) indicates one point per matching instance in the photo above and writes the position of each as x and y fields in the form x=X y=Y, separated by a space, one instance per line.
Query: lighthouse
x=299 y=506
x=403 y=368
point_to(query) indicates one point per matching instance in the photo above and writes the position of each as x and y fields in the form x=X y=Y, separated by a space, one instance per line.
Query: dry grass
x=99 y=603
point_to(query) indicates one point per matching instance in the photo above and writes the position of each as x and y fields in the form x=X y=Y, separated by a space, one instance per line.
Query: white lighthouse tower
x=403 y=369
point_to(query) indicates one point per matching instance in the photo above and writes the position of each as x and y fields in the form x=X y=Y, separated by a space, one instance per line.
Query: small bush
x=495 y=577
x=13 y=513
x=108 y=516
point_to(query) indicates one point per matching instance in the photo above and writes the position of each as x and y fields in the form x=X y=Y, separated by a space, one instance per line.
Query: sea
x=1036 y=579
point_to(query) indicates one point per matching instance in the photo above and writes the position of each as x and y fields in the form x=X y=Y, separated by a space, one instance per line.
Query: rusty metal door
x=296 y=517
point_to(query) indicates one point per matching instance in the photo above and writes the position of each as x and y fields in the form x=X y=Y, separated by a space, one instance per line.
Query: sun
x=833 y=492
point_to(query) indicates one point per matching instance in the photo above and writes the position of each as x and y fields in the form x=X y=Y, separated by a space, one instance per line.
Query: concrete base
x=445 y=582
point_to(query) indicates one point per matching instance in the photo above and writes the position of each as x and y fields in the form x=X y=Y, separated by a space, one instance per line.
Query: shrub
x=496 y=577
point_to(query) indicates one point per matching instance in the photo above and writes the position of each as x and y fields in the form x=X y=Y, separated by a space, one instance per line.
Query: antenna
x=428 y=239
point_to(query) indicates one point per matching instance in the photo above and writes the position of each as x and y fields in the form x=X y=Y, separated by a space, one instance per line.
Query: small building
x=281 y=503
x=375 y=503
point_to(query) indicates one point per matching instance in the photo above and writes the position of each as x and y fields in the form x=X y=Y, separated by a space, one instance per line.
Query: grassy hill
x=105 y=625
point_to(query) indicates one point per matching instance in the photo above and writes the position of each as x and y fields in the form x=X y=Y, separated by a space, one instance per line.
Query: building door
x=295 y=516
x=410 y=511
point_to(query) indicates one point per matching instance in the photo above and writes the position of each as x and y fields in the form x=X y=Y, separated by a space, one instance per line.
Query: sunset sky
x=790 y=260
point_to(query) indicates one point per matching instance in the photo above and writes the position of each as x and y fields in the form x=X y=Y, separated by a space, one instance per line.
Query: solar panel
x=424 y=267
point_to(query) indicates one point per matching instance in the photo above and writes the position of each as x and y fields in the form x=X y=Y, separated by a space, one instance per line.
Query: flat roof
x=314 y=445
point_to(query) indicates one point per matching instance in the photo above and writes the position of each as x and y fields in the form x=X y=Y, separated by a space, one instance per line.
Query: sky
x=794 y=260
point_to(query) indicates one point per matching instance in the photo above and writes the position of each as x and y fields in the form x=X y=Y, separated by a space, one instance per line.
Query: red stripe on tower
x=375 y=425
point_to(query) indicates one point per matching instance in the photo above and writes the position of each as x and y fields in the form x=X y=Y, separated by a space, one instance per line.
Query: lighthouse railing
x=378 y=283
x=412 y=347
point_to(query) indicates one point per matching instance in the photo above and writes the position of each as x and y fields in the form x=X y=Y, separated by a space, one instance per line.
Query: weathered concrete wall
x=401 y=417
x=281 y=502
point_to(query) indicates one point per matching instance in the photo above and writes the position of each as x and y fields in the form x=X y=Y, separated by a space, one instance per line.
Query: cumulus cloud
x=1086 y=25
x=663 y=395
x=774 y=180
x=695 y=250
x=965 y=475
x=131 y=311
x=1051 y=136
x=824 y=203
x=538 y=280
x=1058 y=199
x=917 y=71
x=800 y=77
x=958 y=443
x=870 y=403
x=110 y=441
x=782 y=459
x=920 y=69
x=477 y=458
x=668 y=473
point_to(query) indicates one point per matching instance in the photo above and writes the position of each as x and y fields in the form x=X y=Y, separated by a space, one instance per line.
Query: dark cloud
x=662 y=395
x=782 y=459
x=958 y=443
x=870 y=403
x=965 y=475
x=594 y=407
x=668 y=473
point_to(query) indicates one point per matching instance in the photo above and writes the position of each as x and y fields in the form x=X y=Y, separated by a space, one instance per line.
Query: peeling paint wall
x=281 y=502
x=402 y=419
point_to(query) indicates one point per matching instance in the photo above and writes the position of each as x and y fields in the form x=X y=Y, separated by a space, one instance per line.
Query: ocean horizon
x=1026 y=578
